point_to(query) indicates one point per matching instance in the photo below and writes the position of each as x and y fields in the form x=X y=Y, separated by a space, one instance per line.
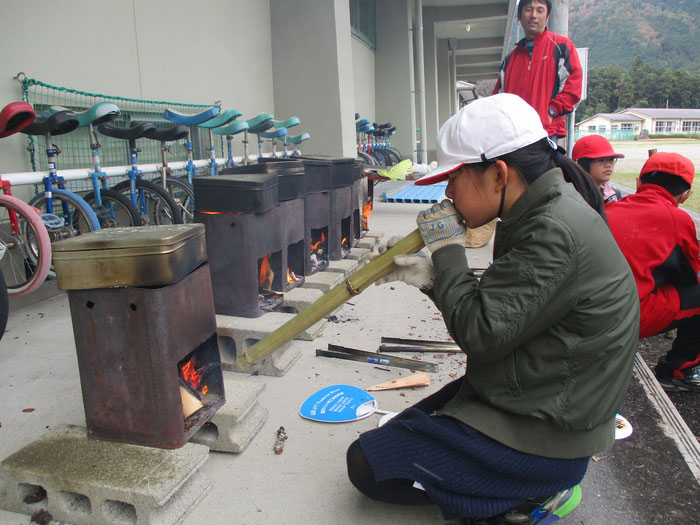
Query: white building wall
x=168 y=50
x=363 y=79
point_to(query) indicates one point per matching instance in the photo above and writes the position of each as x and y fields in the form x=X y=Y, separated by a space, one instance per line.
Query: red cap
x=672 y=163
x=593 y=147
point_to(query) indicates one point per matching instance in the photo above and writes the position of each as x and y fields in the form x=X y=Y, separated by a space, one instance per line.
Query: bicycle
x=24 y=240
x=73 y=216
x=111 y=207
x=235 y=127
x=180 y=190
x=256 y=125
x=190 y=120
x=284 y=124
x=296 y=140
x=154 y=203
x=220 y=120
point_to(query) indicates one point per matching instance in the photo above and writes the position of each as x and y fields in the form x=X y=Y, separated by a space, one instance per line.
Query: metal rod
x=435 y=349
x=418 y=342
x=353 y=354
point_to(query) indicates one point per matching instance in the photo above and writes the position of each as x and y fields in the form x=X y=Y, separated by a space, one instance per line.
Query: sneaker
x=544 y=512
x=689 y=382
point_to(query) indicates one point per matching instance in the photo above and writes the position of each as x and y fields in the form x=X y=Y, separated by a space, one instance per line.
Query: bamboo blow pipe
x=353 y=285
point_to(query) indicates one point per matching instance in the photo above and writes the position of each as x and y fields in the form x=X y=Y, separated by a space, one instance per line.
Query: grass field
x=636 y=153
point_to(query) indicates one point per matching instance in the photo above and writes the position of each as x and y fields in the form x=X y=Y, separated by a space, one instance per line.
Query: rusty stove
x=145 y=332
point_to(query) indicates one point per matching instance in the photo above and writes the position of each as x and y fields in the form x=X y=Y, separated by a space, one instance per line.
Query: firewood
x=419 y=379
x=190 y=403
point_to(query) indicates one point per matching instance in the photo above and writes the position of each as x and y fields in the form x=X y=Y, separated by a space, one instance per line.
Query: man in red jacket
x=659 y=241
x=543 y=69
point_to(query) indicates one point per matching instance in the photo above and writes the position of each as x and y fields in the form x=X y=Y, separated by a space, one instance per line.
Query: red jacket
x=551 y=79
x=659 y=241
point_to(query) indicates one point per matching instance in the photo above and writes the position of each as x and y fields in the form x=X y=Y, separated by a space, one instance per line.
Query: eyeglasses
x=606 y=160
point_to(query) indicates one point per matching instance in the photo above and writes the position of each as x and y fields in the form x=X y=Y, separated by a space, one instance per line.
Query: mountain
x=663 y=33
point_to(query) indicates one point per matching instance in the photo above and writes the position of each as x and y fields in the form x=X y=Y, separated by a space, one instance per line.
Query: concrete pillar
x=443 y=76
x=559 y=17
x=312 y=72
x=393 y=66
x=431 y=81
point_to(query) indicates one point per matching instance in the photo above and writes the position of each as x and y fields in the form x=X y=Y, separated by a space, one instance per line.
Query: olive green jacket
x=550 y=330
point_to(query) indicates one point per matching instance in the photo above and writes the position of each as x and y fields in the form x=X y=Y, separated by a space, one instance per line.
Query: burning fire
x=192 y=376
x=366 y=212
x=266 y=274
x=292 y=277
x=314 y=246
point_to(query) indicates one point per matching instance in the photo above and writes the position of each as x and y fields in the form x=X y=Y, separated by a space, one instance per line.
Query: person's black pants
x=685 y=351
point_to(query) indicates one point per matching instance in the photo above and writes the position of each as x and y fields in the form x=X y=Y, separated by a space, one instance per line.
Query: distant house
x=635 y=121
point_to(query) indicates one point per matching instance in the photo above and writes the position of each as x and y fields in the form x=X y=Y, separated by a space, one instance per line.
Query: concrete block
x=323 y=281
x=234 y=425
x=247 y=331
x=344 y=267
x=300 y=298
x=359 y=254
x=86 y=481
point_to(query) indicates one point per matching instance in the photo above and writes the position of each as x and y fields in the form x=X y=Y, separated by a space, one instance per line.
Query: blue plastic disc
x=338 y=404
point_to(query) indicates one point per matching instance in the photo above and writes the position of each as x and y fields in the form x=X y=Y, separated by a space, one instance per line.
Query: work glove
x=442 y=225
x=415 y=269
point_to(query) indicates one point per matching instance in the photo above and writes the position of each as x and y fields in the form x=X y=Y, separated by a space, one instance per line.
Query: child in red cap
x=596 y=156
x=659 y=241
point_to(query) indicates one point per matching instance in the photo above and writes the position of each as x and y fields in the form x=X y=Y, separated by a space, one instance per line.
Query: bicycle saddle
x=175 y=132
x=231 y=129
x=298 y=139
x=274 y=134
x=56 y=124
x=191 y=120
x=365 y=129
x=381 y=126
x=100 y=113
x=223 y=118
x=136 y=131
x=292 y=121
x=361 y=123
x=15 y=117
x=260 y=123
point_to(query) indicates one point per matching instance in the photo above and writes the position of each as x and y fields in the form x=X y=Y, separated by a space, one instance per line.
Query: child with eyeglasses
x=596 y=156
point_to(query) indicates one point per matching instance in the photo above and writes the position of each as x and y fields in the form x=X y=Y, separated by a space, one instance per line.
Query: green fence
x=75 y=146
x=610 y=134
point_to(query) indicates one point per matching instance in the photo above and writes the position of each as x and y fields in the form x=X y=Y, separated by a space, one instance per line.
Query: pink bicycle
x=25 y=247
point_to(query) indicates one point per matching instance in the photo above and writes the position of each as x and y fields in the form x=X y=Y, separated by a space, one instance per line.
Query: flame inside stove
x=191 y=375
x=292 y=277
x=266 y=274
x=366 y=212
x=319 y=244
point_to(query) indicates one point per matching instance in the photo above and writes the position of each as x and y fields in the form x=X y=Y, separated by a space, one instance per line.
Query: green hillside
x=664 y=33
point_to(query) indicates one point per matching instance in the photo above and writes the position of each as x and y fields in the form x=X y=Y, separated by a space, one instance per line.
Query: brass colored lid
x=132 y=237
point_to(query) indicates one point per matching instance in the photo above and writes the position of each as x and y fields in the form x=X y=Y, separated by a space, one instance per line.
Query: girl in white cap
x=550 y=331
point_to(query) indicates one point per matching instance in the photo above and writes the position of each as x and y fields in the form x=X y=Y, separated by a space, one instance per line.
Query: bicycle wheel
x=27 y=256
x=155 y=204
x=183 y=193
x=4 y=305
x=395 y=159
x=116 y=210
x=78 y=217
x=369 y=161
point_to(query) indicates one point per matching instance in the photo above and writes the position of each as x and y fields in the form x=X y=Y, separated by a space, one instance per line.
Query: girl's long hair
x=539 y=157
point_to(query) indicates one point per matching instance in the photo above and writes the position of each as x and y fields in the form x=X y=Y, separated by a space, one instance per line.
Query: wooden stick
x=353 y=285
x=419 y=379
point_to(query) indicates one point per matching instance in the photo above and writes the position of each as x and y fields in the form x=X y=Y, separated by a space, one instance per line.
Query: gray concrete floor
x=307 y=483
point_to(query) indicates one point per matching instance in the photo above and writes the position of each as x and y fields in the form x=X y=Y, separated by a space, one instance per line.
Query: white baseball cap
x=483 y=130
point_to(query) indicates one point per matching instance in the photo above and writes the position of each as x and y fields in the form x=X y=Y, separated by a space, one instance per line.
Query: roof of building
x=616 y=117
x=682 y=113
